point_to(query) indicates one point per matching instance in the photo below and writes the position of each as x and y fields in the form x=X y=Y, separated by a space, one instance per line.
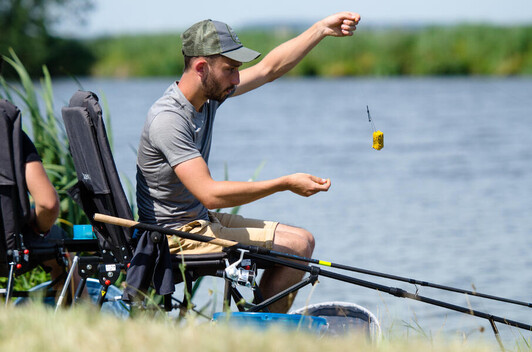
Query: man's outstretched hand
x=306 y=185
x=341 y=24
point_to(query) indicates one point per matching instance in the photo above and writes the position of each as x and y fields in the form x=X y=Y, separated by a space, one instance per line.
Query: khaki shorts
x=226 y=226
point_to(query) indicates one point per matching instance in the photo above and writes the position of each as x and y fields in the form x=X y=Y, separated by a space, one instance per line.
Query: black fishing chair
x=18 y=255
x=145 y=255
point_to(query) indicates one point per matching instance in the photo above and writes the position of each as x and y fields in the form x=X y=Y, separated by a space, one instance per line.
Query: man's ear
x=200 y=66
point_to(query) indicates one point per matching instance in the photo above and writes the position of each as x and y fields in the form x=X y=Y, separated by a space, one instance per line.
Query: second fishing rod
x=399 y=278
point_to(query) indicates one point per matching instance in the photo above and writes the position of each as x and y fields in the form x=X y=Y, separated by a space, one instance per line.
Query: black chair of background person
x=18 y=255
x=145 y=256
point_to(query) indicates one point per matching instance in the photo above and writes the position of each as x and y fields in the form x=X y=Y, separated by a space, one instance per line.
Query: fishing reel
x=241 y=272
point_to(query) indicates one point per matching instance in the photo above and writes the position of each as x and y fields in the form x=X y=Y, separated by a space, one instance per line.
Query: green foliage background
x=25 y=27
x=468 y=49
x=438 y=50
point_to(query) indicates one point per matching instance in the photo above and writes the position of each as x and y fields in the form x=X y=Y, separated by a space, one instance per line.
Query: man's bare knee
x=295 y=240
x=310 y=240
x=305 y=243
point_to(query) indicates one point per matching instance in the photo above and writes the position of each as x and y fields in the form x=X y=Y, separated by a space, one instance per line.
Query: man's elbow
x=272 y=75
x=269 y=73
x=50 y=207
x=211 y=203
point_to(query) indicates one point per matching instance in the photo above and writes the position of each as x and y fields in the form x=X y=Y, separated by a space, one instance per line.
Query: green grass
x=445 y=50
x=35 y=328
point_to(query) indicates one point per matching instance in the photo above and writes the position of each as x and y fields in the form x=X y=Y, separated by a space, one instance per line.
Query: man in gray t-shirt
x=174 y=132
x=174 y=185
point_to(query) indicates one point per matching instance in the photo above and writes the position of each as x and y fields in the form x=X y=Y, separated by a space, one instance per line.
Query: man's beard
x=212 y=89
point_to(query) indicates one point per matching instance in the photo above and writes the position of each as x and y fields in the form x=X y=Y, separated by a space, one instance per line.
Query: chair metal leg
x=66 y=285
x=103 y=293
x=9 y=289
x=227 y=294
x=79 y=290
x=309 y=280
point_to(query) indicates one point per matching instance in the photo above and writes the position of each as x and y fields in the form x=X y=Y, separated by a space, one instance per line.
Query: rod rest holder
x=156 y=237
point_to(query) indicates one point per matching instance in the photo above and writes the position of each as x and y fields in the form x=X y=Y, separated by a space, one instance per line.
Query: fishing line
x=378 y=136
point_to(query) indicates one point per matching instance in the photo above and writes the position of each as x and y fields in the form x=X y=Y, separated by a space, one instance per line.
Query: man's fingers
x=348 y=27
x=349 y=23
x=325 y=183
x=307 y=185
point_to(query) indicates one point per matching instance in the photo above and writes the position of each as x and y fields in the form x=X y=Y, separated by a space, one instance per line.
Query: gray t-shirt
x=174 y=132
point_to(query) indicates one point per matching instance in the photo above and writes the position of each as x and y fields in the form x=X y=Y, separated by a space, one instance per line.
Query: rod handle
x=130 y=223
x=114 y=220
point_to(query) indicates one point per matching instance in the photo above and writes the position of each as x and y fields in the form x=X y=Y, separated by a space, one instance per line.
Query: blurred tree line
x=25 y=26
x=468 y=49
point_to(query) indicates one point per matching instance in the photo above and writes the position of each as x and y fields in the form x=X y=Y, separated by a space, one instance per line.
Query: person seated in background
x=35 y=214
x=174 y=184
x=45 y=208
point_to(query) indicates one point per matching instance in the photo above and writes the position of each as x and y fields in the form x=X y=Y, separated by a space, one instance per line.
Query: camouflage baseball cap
x=210 y=37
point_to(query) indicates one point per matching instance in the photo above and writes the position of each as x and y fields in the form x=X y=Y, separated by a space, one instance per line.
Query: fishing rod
x=272 y=256
x=191 y=236
x=394 y=291
x=261 y=250
x=399 y=278
x=398 y=292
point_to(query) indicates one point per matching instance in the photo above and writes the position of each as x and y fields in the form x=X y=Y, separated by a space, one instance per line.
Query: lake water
x=448 y=200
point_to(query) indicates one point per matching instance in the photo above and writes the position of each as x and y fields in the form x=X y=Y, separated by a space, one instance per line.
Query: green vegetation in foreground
x=35 y=328
x=452 y=50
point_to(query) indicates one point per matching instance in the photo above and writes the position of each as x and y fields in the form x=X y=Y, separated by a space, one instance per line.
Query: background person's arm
x=44 y=196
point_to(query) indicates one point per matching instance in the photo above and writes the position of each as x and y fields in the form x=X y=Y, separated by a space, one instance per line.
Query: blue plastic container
x=83 y=232
x=269 y=320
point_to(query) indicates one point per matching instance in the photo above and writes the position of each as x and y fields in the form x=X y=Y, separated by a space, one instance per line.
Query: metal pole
x=67 y=282
x=9 y=289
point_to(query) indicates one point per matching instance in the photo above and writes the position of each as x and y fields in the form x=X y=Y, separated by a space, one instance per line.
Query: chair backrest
x=98 y=189
x=14 y=202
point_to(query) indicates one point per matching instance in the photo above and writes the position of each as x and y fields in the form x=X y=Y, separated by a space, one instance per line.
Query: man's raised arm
x=284 y=57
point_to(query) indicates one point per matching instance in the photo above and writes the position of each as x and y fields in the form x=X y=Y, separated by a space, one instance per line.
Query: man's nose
x=235 y=79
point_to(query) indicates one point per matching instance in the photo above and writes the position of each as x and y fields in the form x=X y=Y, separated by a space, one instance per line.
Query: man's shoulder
x=166 y=123
x=169 y=108
x=169 y=104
